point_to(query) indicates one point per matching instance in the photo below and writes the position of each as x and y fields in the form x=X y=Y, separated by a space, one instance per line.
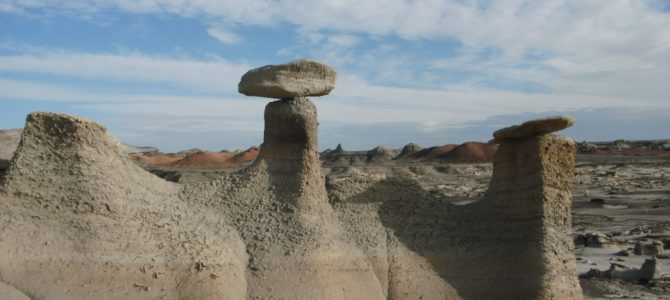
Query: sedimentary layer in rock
x=300 y=78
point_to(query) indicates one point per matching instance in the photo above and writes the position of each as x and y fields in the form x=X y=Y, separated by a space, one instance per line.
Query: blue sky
x=164 y=72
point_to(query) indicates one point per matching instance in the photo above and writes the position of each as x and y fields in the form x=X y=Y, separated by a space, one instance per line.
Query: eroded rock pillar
x=528 y=205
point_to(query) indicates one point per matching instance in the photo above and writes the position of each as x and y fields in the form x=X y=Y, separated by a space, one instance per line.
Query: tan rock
x=300 y=78
x=534 y=127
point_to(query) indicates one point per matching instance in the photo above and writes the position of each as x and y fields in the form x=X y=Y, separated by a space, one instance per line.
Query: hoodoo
x=81 y=221
x=515 y=243
x=279 y=204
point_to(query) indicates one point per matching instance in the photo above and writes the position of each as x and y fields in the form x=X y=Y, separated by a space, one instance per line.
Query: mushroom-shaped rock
x=534 y=127
x=300 y=78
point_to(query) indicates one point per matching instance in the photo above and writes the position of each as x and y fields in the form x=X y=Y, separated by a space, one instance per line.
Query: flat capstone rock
x=534 y=127
x=300 y=78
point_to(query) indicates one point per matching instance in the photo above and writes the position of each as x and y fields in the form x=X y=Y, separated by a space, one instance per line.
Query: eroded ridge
x=80 y=221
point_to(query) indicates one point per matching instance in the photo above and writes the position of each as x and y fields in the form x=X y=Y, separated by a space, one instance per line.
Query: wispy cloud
x=214 y=75
x=223 y=35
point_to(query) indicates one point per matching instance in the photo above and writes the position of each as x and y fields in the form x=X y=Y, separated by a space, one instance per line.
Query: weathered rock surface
x=534 y=127
x=81 y=221
x=650 y=270
x=280 y=208
x=9 y=140
x=409 y=149
x=300 y=78
x=10 y=293
x=518 y=236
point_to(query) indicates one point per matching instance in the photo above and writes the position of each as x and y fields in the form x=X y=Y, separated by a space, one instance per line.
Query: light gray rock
x=534 y=127
x=9 y=140
x=8 y=292
x=300 y=78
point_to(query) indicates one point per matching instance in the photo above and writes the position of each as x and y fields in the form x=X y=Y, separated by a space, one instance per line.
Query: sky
x=164 y=73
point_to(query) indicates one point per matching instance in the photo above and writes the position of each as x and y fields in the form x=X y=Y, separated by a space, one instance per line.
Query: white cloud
x=224 y=36
x=212 y=75
x=572 y=37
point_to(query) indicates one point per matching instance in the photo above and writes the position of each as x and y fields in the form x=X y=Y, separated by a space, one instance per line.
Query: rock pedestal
x=527 y=207
x=297 y=246
x=528 y=210
x=290 y=135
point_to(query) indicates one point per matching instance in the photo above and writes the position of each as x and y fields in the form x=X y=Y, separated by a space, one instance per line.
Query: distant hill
x=469 y=152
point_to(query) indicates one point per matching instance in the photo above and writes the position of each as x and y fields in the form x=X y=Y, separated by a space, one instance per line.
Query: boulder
x=300 y=78
x=534 y=127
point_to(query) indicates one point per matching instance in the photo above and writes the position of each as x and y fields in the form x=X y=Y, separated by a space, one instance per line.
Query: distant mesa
x=300 y=78
x=190 y=151
x=155 y=160
x=431 y=152
x=202 y=159
x=470 y=152
x=196 y=158
x=535 y=127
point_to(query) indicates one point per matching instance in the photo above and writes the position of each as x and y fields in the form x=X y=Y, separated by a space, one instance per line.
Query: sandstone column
x=307 y=256
x=528 y=207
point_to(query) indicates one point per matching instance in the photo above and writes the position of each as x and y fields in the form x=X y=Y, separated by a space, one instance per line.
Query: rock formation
x=649 y=271
x=300 y=78
x=514 y=244
x=80 y=221
x=409 y=149
x=280 y=206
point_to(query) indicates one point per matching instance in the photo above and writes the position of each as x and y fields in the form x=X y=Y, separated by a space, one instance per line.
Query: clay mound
x=431 y=152
x=470 y=152
x=204 y=159
x=208 y=159
x=409 y=149
x=155 y=160
x=244 y=156
x=380 y=153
